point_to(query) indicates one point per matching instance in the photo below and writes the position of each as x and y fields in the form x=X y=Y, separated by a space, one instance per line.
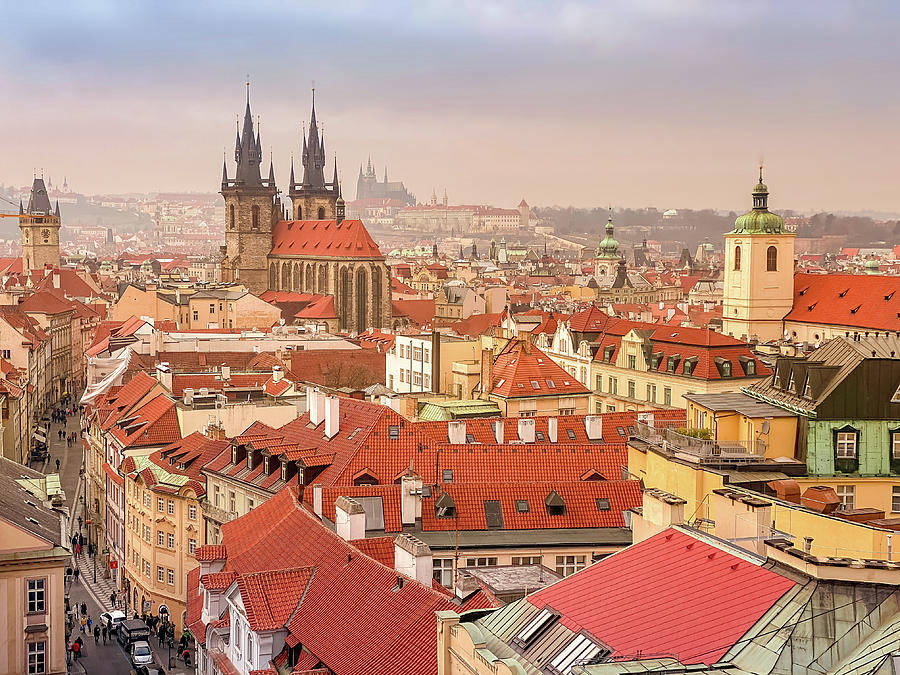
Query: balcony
x=701 y=450
x=215 y=513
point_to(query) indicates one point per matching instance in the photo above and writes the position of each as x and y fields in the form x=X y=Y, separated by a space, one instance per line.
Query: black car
x=149 y=670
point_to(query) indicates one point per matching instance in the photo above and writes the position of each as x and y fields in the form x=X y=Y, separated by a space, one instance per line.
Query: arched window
x=772 y=259
x=737 y=258
x=299 y=213
x=255 y=221
x=231 y=216
x=321 y=213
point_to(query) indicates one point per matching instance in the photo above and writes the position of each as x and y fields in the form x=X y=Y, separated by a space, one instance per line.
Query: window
x=599 y=383
x=170 y=540
x=147 y=568
x=632 y=361
x=610 y=408
x=192 y=512
x=846 y=445
x=535 y=384
x=212 y=308
x=772 y=259
x=5 y=354
x=526 y=560
x=847 y=495
x=251 y=503
x=170 y=577
x=613 y=385
x=569 y=564
x=534 y=628
x=232 y=501
x=737 y=258
x=567 y=411
x=602 y=504
x=689 y=364
x=895 y=499
x=581 y=650
x=35 y=595
x=147 y=500
x=447 y=476
x=481 y=562
x=895 y=444
x=522 y=506
x=37 y=658
x=231 y=216
x=171 y=508
x=192 y=546
x=217 y=493
x=196 y=315
x=651 y=393
x=667 y=396
x=160 y=574
x=393 y=432
x=147 y=533
x=631 y=388
x=443 y=571
x=255 y=217
x=160 y=538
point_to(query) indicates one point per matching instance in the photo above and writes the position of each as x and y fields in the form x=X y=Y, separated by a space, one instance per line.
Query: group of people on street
x=164 y=630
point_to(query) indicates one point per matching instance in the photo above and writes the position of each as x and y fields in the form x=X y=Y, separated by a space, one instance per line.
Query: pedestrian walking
x=112 y=599
x=91 y=550
x=81 y=539
x=186 y=655
x=105 y=631
x=90 y=622
x=83 y=624
x=97 y=635
x=83 y=609
x=59 y=434
x=57 y=465
x=78 y=548
x=76 y=650
x=76 y=574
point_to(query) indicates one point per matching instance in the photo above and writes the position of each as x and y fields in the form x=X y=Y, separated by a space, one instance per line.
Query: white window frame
x=161 y=574
x=192 y=512
x=845 y=445
x=37 y=657
x=35 y=594
x=569 y=564
x=847 y=495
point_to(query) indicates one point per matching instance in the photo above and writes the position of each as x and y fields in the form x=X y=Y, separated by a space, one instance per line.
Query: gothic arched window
x=772 y=259
x=737 y=258
x=321 y=213
x=255 y=221
x=231 y=216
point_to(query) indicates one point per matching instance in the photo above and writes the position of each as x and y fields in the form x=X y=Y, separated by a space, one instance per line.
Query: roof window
x=447 y=476
x=535 y=384
x=501 y=381
x=540 y=435
x=535 y=628
x=582 y=651
x=672 y=363
x=522 y=506
x=493 y=514
x=354 y=432
x=551 y=384
x=571 y=434
x=555 y=504
x=470 y=438
x=444 y=506
x=393 y=432
x=602 y=504
x=689 y=364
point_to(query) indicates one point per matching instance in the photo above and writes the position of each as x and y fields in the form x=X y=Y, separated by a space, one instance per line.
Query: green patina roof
x=609 y=247
x=441 y=411
x=162 y=476
x=759 y=220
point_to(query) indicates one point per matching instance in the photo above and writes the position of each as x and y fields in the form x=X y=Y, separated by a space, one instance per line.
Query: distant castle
x=368 y=187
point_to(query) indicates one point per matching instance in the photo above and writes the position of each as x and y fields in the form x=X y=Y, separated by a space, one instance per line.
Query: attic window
x=843 y=293
x=582 y=650
x=493 y=514
x=555 y=504
x=807 y=390
x=748 y=364
x=444 y=506
x=724 y=366
x=522 y=506
x=535 y=384
x=354 y=432
x=602 y=504
x=501 y=381
x=470 y=438
x=608 y=352
x=621 y=431
x=539 y=435
x=393 y=432
x=571 y=434
x=672 y=363
x=689 y=364
x=551 y=384
x=655 y=360
x=855 y=309
x=521 y=386
x=535 y=628
x=447 y=476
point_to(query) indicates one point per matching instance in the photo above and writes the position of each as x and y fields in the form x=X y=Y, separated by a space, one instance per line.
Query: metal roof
x=738 y=402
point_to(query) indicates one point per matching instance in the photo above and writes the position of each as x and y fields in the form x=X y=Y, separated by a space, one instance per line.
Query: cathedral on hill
x=313 y=249
x=368 y=187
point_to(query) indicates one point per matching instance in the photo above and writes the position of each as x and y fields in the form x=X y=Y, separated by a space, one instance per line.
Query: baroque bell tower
x=314 y=198
x=251 y=210
x=40 y=230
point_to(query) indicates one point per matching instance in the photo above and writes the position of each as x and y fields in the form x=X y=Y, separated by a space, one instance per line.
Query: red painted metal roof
x=671 y=594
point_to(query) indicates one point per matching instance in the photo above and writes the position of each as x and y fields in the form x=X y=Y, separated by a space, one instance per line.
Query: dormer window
x=807 y=389
x=250 y=460
x=444 y=506
x=672 y=363
x=555 y=504
x=724 y=366
x=234 y=455
x=689 y=364
x=748 y=364
x=266 y=465
x=284 y=471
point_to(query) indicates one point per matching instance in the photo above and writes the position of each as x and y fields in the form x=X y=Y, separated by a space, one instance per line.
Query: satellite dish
x=765 y=426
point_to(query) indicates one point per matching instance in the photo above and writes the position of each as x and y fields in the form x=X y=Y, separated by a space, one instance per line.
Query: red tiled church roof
x=324 y=238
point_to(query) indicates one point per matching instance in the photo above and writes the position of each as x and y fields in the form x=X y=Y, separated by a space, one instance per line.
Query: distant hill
x=85 y=214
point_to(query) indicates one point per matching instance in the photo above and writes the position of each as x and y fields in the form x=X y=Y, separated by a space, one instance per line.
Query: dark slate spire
x=56 y=210
x=292 y=173
x=224 y=172
x=360 y=171
x=313 y=153
x=385 y=173
x=248 y=154
x=21 y=208
x=334 y=181
x=271 y=172
x=39 y=202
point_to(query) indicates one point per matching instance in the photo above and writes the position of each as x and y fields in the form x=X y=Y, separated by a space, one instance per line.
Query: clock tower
x=40 y=230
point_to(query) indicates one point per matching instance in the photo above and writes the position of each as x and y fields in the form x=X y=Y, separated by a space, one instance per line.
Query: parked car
x=140 y=653
x=149 y=670
x=112 y=619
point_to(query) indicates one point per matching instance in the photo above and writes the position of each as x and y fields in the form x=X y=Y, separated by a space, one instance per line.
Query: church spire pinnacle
x=313 y=153
x=248 y=149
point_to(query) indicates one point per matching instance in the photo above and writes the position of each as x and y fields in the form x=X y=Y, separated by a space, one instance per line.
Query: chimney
x=226 y=372
x=164 y=375
x=56 y=279
x=663 y=509
x=410 y=498
x=526 y=429
x=412 y=557
x=456 y=432
x=317 y=499
x=215 y=430
x=435 y=361
x=820 y=498
x=349 y=519
x=188 y=396
x=487 y=371
x=277 y=373
x=332 y=425
x=593 y=427
x=499 y=428
x=552 y=429
x=316 y=403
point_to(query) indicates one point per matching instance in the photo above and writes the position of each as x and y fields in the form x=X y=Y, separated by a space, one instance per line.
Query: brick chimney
x=349 y=519
x=410 y=498
x=277 y=373
x=412 y=557
x=164 y=375
x=526 y=429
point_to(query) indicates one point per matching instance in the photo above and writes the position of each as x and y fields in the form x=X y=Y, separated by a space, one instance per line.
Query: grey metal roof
x=738 y=402
x=24 y=509
x=487 y=539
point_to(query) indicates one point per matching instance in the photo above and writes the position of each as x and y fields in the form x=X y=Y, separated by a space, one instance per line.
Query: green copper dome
x=609 y=247
x=760 y=220
x=872 y=266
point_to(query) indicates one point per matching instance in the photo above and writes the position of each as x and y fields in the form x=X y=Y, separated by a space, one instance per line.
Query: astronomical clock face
x=45 y=233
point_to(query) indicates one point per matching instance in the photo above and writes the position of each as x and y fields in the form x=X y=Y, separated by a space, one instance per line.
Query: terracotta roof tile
x=318 y=238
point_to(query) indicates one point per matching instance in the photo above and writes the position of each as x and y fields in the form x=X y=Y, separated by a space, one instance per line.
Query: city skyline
x=641 y=104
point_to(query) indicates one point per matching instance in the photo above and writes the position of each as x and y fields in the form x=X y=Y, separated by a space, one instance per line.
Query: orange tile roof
x=271 y=596
x=861 y=301
x=324 y=238
x=522 y=370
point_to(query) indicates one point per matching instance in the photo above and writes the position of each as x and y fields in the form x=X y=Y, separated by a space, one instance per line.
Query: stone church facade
x=40 y=225
x=312 y=250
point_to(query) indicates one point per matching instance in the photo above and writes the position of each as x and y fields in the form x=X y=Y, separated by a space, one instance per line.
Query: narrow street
x=100 y=659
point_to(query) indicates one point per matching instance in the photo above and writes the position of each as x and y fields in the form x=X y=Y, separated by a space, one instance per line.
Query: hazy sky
x=633 y=102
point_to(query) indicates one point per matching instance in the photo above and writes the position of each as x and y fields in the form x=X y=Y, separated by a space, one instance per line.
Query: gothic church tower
x=314 y=199
x=40 y=230
x=251 y=210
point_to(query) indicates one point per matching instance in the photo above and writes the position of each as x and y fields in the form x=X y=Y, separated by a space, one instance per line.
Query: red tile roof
x=859 y=301
x=379 y=548
x=476 y=325
x=211 y=552
x=523 y=505
x=522 y=370
x=670 y=594
x=271 y=596
x=324 y=238
x=156 y=423
x=43 y=302
x=322 y=308
x=419 y=312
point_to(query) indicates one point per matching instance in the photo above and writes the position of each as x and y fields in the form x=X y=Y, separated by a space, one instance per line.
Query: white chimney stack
x=552 y=429
x=56 y=279
x=593 y=427
x=412 y=557
x=526 y=430
x=226 y=372
x=498 y=426
x=317 y=499
x=410 y=499
x=332 y=412
x=456 y=432
x=277 y=373
x=164 y=375
x=349 y=519
x=316 y=402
